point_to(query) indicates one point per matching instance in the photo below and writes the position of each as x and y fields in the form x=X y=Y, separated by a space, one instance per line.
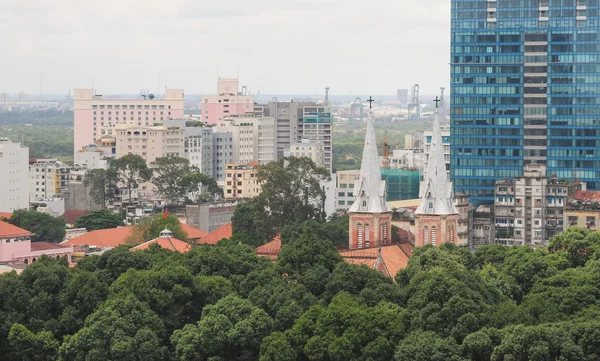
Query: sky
x=276 y=46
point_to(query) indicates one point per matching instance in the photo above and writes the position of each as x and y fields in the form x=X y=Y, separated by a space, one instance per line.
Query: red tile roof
x=44 y=246
x=587 y=196
x=169 y=243
x=192 y=232
x=271 y=249
x=6 y=215
x=225 y=231
x=73 y=215
x=102 y=238
x=392 y=257
x=8 y=230
x=407 y=248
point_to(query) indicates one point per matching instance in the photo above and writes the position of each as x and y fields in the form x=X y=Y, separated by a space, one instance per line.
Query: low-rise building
x=241 y=181
x=483 y=228
x=209 y=216
x=16 y=245
x=583 y=210
x=345 y=188
x=91 y=157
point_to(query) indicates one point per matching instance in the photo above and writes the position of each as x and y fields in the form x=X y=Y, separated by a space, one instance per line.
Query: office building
x=222 y=153
x=295 y=121
x=92 y=157
x=150 y=142
x=242 y=133
x=96 y=115
x=14 y=162
x=228 y=101
x=48 y=178
x=529 y=210
x=524 y=90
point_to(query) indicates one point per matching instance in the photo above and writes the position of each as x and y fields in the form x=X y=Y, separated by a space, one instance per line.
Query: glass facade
x=525 y=87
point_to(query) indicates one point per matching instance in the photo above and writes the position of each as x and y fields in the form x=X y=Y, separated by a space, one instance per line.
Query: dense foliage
x=43 y=141
x=150 y=228
x=99 y=219
x=45 y=227
x=224 y=303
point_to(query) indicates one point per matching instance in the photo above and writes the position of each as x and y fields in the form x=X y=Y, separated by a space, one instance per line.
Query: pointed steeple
x=435 y=189
x=369 y=189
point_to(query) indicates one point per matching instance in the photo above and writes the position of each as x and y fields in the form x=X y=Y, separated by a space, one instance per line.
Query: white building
x=14 y=163
x=254 y=137
x=198 y=143
x=307 y=148
x=91 y=157
x=48 y=178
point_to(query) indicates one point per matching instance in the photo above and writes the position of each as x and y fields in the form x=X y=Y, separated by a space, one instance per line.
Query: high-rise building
x=14 y=162
x=295 y=121
x=222 y=153
x=241 y=181
x=524 y=90
x=306 y=148
x=228 y=101
x=96 y=115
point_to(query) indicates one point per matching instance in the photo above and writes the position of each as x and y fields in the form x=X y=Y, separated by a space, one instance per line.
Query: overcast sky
x=279 y=46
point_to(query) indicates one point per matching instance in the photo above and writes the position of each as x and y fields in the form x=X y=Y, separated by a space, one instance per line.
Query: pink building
x=96 y=116
x=16 y=245
x=227 y=101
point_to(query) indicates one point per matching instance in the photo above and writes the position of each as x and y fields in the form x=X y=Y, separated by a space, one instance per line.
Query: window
x=367 y=235
x=360 y=235
x=450 y=235
x=433 y=236
x=425 y=235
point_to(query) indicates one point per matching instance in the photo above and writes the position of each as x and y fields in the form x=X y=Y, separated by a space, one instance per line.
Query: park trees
x=131 y=170
x=45 y=227
x=168 y=177
x=102 y=184
x=99 y=219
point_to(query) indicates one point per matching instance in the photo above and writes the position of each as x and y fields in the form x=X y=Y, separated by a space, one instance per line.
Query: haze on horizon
x=278 y=46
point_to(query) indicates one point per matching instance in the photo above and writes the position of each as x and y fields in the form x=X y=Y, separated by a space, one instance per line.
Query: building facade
x=14 y=162
x=198 y=143
x=150 y=142
x=96 y=115
x=306 y=148
x=529 y=210
x=228 y=101
x=525 y=79
x=222 y=153
x=48 y=178
x=241 y=181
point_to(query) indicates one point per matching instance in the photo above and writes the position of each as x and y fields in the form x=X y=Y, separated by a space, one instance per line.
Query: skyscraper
x=525 y=78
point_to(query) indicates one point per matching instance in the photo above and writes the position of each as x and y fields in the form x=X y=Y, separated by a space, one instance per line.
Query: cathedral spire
x=435 y=189
x=369 y=189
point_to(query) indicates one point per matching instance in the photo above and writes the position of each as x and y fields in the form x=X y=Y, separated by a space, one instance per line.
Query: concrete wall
x=78 y=198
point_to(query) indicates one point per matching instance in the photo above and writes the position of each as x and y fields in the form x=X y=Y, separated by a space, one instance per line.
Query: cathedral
x=436 y=217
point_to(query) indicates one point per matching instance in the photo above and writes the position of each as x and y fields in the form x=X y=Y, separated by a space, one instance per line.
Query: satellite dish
x=150 y=96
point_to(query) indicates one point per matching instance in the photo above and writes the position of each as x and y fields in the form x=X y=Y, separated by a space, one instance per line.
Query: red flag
x=166 y=213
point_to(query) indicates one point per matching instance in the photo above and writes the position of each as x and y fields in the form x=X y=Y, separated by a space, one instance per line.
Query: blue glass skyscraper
x=525 y=88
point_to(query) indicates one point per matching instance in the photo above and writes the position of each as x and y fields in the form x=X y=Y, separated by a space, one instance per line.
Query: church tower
x=370 y=218
x=436 y=218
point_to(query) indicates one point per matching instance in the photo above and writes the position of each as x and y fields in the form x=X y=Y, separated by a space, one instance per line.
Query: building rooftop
x=8 y=230
x=389 y=259
x=193 y=233
x=102 y=238
x=169 y=243
x=225 y=231
x=271 y=249
x=71 y=216
x=44 y=246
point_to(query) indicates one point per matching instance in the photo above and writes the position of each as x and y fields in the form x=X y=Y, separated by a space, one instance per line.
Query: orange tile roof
x=6 y=215
x=44 y=246
x=394 y=259
x=73 y=215
x=102 y=238
x=587 y=196
x=225 y=231
x=193 y=233
x=169 y=243
x=271 y=249
x=9 y=230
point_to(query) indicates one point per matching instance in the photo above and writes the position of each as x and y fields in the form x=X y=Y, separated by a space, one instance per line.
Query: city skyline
x=125 y=46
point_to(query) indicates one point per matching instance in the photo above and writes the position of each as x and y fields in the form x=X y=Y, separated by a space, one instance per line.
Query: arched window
x=26 y=261
x=367 y=235
x=360 y=235
x=425 y=235
x=385 y=233
x=450 y=234
x=433 y=235
x=33 y=260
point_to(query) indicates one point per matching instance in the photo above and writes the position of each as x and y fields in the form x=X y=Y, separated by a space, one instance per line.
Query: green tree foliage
x=131 y=170
x=99 y=219
x=45 y=227
x=201 y=188
x=169 y=177
x=291 y=192
x=102 y=184
x=223 y=302
x=335 y=230
x=150 y=228
x=44 y=140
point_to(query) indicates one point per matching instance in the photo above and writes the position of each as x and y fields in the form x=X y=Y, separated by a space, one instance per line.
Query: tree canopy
x=225 y=303
x=46 y=228
x=99 y=219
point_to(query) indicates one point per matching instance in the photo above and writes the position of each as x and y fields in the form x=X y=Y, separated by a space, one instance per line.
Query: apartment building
x=48 y=178
x=96 y=115
x=241 y=181
x=14 y=193
x=150 y=142
x=345 y=180
x=306 y=148
x=227 y=102
x=529 y=210
x=92 y=157
x=198 y=143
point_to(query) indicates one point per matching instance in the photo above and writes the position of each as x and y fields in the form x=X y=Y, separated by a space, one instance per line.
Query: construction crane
x=356 y=109
x=385 y=162
x=414 y=108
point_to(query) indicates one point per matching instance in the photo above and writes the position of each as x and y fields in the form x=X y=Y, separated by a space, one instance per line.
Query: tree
x=169 y=177
x=290 y=192
x=131 y=170
x=102 y=184
x=150 y=228
x=28 y=346
x=45 y=227
x=99 y=219
x=201 y=188
x=427 y=346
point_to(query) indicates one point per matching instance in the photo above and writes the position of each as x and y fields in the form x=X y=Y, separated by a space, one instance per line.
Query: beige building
x=306 y=148
x=253 y=137
x=150 y=142
x=48 y=178
x=241 y=181
x=345 y=188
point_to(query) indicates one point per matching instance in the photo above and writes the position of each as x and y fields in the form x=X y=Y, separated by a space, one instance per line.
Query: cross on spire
x=370 y=100
x=436 y=101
